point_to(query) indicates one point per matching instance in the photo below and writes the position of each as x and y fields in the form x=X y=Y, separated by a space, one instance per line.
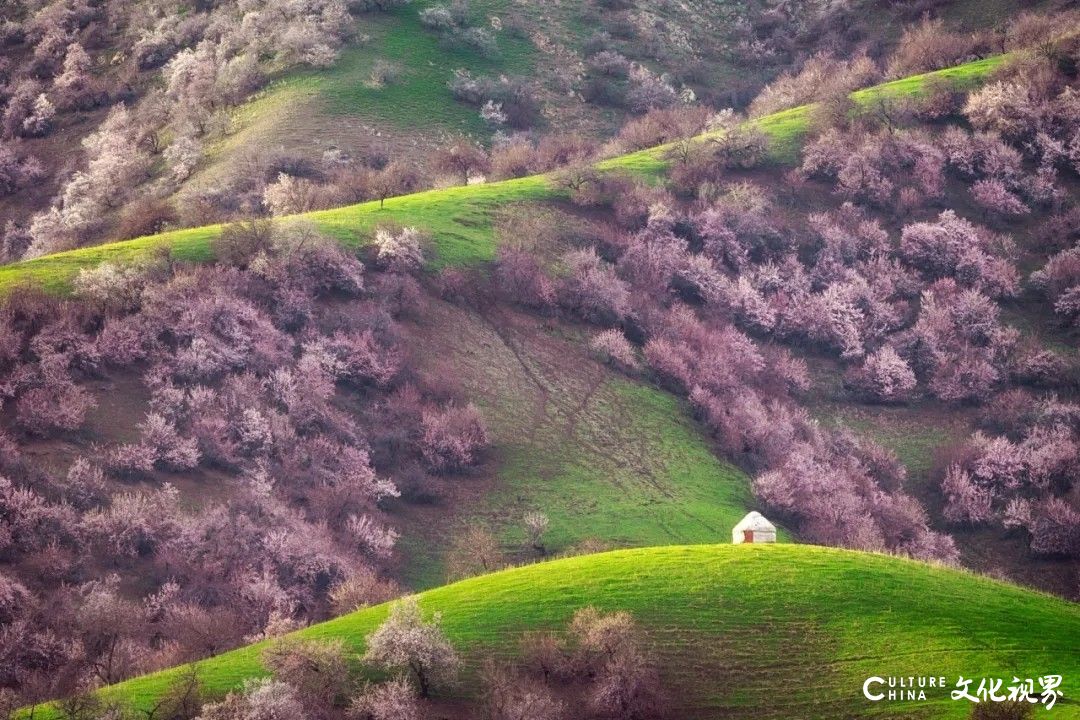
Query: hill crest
x=724 y=618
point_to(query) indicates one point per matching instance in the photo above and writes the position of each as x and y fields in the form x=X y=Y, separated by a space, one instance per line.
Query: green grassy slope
x=339 y=107
x=605 y=458
x=460 y=218
x=779 y=631
x=635 y=471
x=787 y=129
x=419 y=98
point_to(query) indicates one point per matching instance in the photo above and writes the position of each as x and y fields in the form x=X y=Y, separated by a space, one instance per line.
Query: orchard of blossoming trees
x=168 y=96
x=244 y=371
x=115 y=105
x=922 y=251
x=745 y=392
x=905 y=289
x=157 y=108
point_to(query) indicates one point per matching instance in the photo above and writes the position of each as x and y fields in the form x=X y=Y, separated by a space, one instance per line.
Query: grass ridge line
x=879 y=614
x=460 y=218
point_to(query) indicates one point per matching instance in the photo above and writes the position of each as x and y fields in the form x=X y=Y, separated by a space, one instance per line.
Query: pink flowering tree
x=965 y=500
x=996 y=198
x=592 y=288
x=613 y=347
x=885 y=376
x=452 y=437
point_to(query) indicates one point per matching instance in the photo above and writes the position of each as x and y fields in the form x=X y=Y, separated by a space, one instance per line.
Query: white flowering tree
x=407 y=642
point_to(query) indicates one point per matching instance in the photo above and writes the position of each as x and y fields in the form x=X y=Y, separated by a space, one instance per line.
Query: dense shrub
x=520 y=278
x=316 y=670
x=1020 y=479
x=241 y=369
x=391 y=700
x=613 y=347
x=17 y=172
x=659 y=126
x=737 y=145
x=996 y=197
x=239 y=243
x=59 y=406
x=514 y=96
x=260 y=698
x=452 y=437
x=890 y=169
x=511 y=696
x=1059 y=281
x=954 y=247
x=516 y=158
x=885 y=376
x=820 y=77
x=929 y=46
x=400 y=250
x=593 y=289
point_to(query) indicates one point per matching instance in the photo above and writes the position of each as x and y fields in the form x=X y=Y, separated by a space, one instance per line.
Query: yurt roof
x=755 y=521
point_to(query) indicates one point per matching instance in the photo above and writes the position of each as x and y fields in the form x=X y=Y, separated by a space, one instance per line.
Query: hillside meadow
x=609 y=459
x=460 y=219
x=779 y=631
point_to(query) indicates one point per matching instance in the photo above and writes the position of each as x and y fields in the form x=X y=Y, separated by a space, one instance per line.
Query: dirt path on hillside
x=569 y=436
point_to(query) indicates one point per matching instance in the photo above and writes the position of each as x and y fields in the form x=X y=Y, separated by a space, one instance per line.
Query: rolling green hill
x=780 y=631
x=459 y=218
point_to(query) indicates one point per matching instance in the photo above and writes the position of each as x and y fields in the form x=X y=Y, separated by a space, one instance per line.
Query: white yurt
x=753 y=528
